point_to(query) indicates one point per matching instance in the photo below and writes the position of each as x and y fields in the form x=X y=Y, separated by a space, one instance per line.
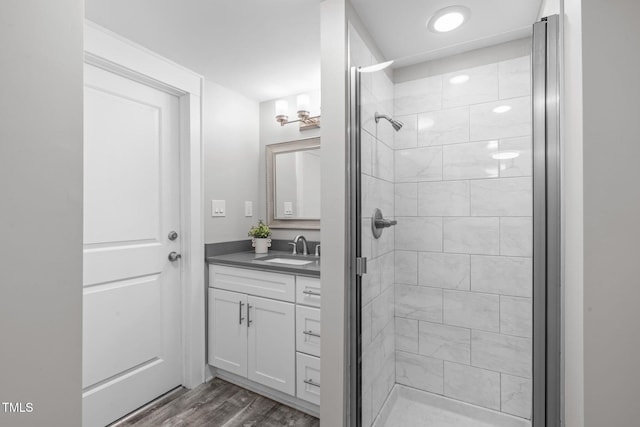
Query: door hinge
x=361 y=266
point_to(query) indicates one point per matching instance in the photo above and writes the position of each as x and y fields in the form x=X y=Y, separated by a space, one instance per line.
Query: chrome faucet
x=305 y=249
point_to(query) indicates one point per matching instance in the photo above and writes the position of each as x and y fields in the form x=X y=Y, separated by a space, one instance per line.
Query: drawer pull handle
x=311 y=293
x=310 y=382
x=249 y=321
x=313 y=334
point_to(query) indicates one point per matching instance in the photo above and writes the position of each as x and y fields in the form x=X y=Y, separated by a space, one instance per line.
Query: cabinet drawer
x=308 y=291
x=253 y=282
x=308 y=378
x=308 y=330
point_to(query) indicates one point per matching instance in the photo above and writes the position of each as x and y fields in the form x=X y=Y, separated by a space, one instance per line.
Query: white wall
x=334 y=370
x=272 y=133
x=549 y=7
x=572 y=191
x=41 y=213
x=611 y=93
x=231 y=156
x=474 y=58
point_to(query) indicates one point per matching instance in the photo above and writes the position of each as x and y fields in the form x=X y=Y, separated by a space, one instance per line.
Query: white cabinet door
x=228 y=331
x=272 y=343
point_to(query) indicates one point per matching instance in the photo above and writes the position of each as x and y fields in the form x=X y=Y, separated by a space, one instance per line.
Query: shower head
x=396 y=124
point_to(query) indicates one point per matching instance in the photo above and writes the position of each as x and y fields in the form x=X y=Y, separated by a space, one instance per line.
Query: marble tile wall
x=463 y=243
x=378 y=291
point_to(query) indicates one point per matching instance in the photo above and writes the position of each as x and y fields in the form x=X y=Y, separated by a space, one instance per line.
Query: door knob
x=174 y=256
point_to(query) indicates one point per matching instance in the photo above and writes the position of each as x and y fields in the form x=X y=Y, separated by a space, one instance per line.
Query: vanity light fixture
x=448 y=19
x=304 y=118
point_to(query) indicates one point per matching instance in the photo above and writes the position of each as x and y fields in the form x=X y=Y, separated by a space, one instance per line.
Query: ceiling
x=399 y=29
x=271 y=49
x=261 y=49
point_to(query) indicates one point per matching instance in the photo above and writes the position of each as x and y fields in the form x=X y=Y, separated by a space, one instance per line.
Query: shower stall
x=455 y=215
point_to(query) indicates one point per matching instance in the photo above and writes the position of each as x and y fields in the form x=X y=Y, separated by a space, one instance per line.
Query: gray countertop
x=250 y=259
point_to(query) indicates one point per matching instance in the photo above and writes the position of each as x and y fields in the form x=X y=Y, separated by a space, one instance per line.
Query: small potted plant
x=260 y=237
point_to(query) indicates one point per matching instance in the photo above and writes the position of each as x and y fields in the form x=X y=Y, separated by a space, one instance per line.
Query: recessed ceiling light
x=448 y=19
x=456 y=80
x=505 y=155
x=502 y=109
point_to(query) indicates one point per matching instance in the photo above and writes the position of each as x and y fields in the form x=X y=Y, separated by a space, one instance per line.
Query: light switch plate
x=248 y=208
x=288 y=208
x=218 y=208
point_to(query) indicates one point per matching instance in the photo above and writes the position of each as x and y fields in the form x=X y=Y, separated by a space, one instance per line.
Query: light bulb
x=448 y=19
x=303 y=102
x=282 y=108
x=448 y=22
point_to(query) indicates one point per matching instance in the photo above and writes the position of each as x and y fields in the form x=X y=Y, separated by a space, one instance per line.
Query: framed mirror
x=293 y=184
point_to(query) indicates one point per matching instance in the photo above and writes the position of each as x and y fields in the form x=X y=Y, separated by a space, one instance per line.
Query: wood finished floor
x=218 y=403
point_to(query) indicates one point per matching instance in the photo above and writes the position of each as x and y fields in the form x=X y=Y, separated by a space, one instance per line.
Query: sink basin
x=288 y=260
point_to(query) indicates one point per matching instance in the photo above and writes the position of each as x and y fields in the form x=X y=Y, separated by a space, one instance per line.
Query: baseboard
x=168 y=396
x=278 y=396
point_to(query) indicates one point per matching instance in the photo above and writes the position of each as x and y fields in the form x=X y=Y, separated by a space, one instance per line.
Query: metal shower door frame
x=547 y=272
x=354 y=333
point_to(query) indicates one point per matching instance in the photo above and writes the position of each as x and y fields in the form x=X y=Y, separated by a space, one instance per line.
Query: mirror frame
x=270 y=153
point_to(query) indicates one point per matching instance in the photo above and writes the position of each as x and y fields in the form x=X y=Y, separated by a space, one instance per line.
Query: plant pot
x=261 y=245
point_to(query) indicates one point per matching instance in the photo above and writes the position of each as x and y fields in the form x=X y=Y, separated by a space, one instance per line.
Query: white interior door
x=131 y=294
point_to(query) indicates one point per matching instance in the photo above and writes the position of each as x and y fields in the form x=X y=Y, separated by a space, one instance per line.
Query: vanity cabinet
x=265 y=327
x=253 y=337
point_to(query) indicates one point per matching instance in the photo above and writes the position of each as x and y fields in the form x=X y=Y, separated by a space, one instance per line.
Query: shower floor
x=408 y=407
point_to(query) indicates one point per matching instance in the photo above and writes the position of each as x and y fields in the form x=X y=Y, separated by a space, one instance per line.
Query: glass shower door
x=443 y=302
x=375 y=244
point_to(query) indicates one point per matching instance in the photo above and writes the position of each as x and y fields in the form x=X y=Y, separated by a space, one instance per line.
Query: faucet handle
x=294 y=250
x=317 y=253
